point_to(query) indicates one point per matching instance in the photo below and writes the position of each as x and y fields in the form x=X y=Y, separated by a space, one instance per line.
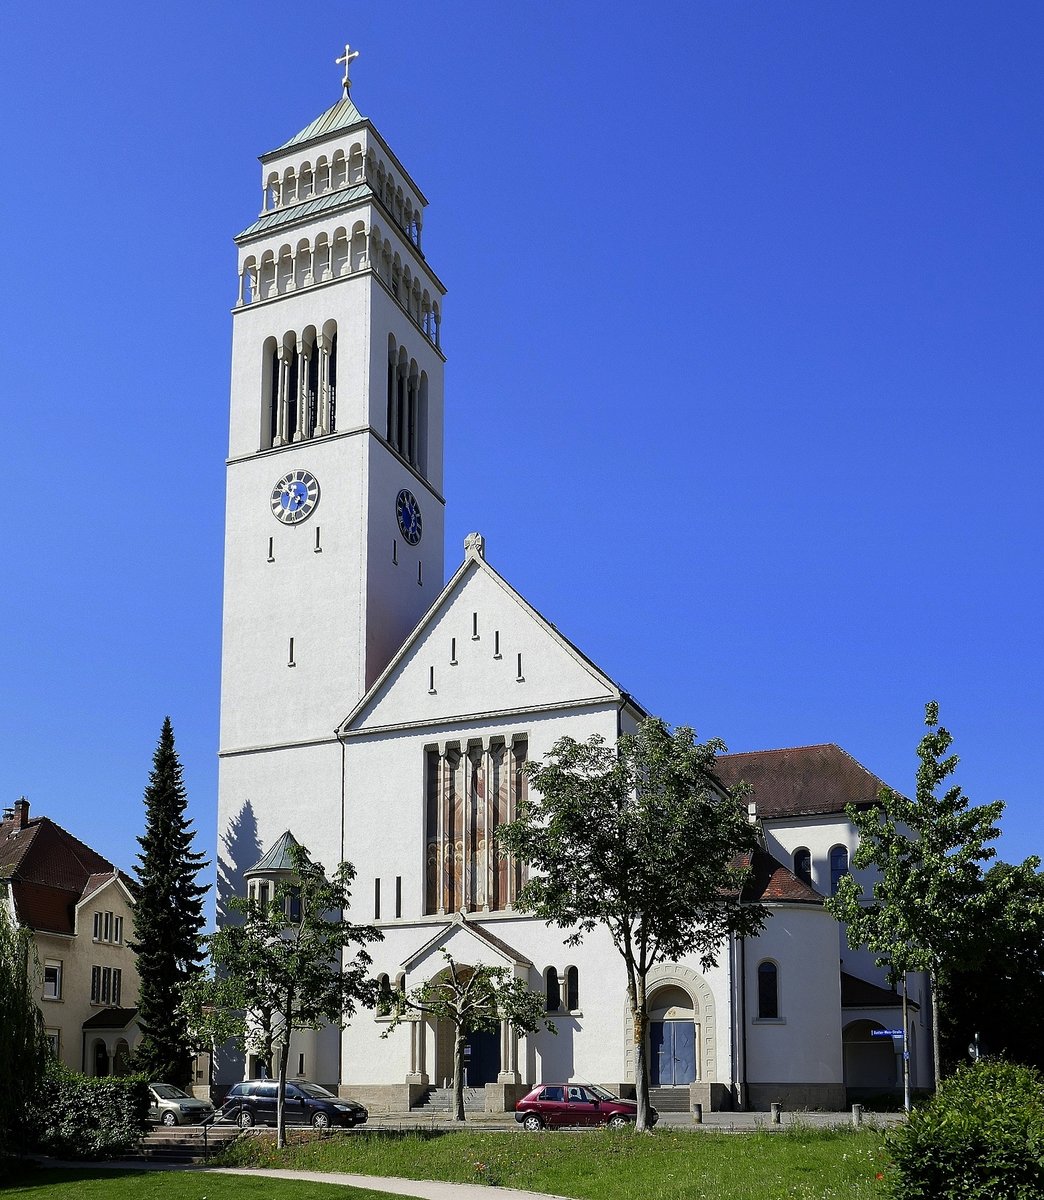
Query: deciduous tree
x=926 y=855
x=295 y=962
x=23 y=1047
x=640 y=838
x=168 y=918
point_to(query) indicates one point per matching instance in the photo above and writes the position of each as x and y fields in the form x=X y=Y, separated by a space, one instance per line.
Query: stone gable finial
x=475 y=545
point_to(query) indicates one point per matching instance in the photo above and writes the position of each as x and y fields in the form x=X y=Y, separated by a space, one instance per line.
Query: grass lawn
x=797 y=1164
x=89 y=1183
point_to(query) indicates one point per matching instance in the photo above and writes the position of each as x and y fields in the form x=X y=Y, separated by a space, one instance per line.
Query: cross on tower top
x=347 y=57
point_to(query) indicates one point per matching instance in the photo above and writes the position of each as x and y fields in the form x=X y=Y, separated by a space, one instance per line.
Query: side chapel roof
x=278 y=857
x=801 y=781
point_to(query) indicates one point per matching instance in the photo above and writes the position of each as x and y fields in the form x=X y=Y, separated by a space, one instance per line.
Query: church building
x=373 y=711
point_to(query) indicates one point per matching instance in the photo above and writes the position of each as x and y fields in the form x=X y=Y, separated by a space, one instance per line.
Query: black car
x=254 y=1103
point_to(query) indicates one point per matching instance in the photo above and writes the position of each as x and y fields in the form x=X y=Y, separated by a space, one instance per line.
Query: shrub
x=78 y=1116
x=980 y=1138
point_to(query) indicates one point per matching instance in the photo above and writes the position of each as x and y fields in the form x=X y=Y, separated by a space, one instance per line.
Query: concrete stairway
x=669 y=1099
x=440 y=1100
x=184 y=1143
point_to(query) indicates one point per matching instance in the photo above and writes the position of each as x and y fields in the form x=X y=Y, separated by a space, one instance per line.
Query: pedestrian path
x=420 y=1189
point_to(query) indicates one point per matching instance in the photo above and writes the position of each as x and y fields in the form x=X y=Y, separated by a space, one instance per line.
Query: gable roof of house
x=801 y=781
x=49 y=872
x=459 y=922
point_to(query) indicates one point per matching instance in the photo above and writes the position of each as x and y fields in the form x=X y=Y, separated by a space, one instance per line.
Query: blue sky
x=744 y=359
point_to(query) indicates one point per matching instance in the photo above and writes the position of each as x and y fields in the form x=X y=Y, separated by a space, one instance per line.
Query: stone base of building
x=385 y=1097
x=502 y=1097
x=829 y=1097
x=715 y=1097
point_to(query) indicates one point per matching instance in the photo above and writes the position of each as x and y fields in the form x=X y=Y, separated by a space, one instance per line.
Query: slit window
x=768 y=991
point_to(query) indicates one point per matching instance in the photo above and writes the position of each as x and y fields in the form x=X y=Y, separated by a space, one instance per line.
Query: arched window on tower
x=838 y=867
x=331 y=371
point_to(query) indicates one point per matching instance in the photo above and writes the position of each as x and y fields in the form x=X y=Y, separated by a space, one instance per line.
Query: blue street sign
x=892 y=1033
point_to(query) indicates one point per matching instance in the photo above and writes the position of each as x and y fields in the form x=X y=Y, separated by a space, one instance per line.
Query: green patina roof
x=343 y=115
x=307 y=208
x=278 y=857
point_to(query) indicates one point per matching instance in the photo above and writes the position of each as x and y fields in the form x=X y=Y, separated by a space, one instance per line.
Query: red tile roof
x=770 y=880
x=49 y=870
x=802 y=781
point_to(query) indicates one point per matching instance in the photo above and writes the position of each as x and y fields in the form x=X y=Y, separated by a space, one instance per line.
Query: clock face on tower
x=294 y=497
x=409 y=514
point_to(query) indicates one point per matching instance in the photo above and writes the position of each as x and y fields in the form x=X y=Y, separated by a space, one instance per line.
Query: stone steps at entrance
x=441 y=1100
x=669 y=1099
x=184 y=1144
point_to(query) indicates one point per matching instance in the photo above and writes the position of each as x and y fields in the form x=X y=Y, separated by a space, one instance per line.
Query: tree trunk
x=284 y=1054
x=640 y=1022
x=906 y=1048
x=459 y=1041
x=933 y=983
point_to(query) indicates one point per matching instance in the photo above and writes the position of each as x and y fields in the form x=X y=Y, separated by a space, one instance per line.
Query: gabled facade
x=374 y=715
x=80 y=911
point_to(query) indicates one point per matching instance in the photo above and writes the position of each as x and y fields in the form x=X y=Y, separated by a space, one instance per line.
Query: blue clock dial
x=408 y=512
x=294 y=497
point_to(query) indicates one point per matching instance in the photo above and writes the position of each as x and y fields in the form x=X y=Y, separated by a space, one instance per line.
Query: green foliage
x=472 y=999
x=927 y=855
x=97 y=1183
x=23 y=1047
x=274 y=973
x=168 y=918
x=638 y=838
x=998 y=992
x=980 y=1138
x=80 y=1116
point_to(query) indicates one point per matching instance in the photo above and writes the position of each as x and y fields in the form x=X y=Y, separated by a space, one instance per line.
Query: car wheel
x=618 y=1122
x=532 y=1123
x=245 y=1120
x=320 y=1120
x=169 y=1118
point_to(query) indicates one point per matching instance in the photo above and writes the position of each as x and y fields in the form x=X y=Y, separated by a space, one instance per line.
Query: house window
x=768 y=991
x=262 y=895
x=106 y=985
x=54 y=1042
x=293 y=905
x=117 y=930
x=52 y=982
x=838 y=867
x=803 y=864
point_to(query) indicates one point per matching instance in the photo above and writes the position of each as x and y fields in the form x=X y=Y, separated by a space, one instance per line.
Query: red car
x=556 y=1104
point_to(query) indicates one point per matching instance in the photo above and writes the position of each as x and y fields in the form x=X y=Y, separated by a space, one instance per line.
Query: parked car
x=555 y=1104
x=254 y=1103
x=169 y=1105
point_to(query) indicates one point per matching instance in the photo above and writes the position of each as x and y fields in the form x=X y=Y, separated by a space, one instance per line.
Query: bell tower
x=334 y=506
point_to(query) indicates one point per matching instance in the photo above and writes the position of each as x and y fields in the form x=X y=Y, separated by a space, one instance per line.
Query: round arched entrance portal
x=870 y=1061
x=482 y=1056
x=673 y=1038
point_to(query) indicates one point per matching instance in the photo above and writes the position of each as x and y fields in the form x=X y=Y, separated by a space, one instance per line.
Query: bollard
x=697 y=1114
x=857 y=1115
x=777 y=1110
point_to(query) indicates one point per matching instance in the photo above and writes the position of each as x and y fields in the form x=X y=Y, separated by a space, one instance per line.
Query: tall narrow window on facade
x=768 y=991
x=552 y=990
x=838 y=867
x=377 y=899
x=573 y=989
x=470 y=791
x=803 y=864
x=398 y=895
x=52 y=980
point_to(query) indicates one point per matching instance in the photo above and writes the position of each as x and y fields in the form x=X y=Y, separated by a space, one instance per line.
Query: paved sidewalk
x=425 y=1189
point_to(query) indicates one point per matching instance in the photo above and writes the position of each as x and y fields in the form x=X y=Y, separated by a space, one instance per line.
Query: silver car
x=169 y=1105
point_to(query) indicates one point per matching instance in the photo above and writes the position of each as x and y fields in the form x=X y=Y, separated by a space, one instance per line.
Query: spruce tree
x=168 y=919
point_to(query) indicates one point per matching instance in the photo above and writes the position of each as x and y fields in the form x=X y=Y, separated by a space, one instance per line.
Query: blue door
x=672 y=1053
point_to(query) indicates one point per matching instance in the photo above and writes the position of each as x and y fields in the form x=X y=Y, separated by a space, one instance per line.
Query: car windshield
x=316 y=1092
x=600 y=1092
x=167 y=1091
